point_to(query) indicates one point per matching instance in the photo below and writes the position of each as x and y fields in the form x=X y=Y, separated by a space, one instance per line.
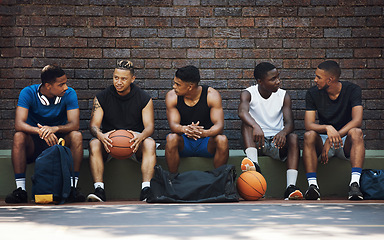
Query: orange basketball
x=251 y=185
x=121 y=147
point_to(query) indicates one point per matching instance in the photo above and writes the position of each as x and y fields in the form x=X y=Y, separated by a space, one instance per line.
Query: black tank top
x=198 y=113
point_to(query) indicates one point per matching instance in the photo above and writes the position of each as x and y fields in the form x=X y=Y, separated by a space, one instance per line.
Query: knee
x=309 y=137
x=76 y=137
x=355 y=134
x=19 y=139
x=172 y=140
x=221 y=141
x=94 y=146
x=149 y=145
x=293 y=139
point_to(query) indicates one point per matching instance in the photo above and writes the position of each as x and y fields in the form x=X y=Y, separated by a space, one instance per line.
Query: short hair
x=262 y=69
x=331 y=67
x=126 y=65
x=50 y=73
x=188 y=74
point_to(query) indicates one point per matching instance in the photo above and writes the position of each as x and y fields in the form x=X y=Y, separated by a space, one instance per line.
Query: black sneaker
x=354 y=192
x=75 y=196
x=97 y=196
x=293 y=193
x=17 y=196
x=312 y=193
x=144 y=194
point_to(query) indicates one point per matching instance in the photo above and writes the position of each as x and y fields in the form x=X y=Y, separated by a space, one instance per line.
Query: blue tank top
x=198 y=113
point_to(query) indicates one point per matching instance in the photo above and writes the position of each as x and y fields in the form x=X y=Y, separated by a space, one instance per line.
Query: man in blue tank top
x=338 y=133
x=196 y=119
x=45 y=112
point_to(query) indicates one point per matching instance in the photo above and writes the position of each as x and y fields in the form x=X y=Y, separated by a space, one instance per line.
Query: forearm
x=352 y=124
x=26 y=128
x=213 y=131
x=316 y=127
x=69 y=127
x=177 y=128
x=95 y=131
x=147 y=132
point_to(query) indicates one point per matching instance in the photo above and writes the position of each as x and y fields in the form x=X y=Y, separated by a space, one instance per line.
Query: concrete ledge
x=123 y=177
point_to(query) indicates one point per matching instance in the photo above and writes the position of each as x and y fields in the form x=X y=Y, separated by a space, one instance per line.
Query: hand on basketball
x=279 y=140
x=137 y=139
x=194 y=131
x=324 y=154
x=334 y=137
x=258 y=136
x=106 y=141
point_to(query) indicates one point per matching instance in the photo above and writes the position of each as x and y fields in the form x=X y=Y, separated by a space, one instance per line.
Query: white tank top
x=267 y=112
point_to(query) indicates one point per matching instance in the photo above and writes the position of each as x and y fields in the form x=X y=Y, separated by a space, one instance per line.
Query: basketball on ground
x=251 y=185
x=121 y=147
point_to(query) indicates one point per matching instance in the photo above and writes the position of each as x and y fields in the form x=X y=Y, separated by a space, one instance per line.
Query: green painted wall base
x=123 y=177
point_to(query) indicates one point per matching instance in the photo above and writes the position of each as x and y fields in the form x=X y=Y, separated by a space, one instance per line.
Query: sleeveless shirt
x=267 y=112
x=199 y=112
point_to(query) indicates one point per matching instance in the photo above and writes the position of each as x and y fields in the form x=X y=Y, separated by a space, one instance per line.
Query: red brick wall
x=223 y=38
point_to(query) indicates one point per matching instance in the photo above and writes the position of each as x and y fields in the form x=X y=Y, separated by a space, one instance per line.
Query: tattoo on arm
x=96 y=105
x=94 y=130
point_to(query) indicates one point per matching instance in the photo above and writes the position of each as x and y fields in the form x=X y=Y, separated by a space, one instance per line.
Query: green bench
x=123 y=177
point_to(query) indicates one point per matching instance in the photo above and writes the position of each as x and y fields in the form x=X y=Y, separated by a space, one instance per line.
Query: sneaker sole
x=296 y=195
x=93 y=198
x=245 y=163
x=312 y=195
x=355 y=197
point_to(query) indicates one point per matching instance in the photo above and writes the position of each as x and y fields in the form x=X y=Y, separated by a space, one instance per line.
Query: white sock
x=145 y=184
x=355 y=178
x=312 y=181
x=291 y=177
x=20 y=182
x=98 y=184
x=251 y=153
x=76 y=180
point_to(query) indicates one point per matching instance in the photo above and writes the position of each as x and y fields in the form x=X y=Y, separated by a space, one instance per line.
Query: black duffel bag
x=217 y=185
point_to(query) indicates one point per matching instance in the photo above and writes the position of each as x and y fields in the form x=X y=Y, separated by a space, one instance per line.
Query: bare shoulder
x=171 y=98
x=213 y=97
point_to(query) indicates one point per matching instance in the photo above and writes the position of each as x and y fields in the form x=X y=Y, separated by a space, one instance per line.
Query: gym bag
x=372 y=184
x=51 y=181
x=217 y=185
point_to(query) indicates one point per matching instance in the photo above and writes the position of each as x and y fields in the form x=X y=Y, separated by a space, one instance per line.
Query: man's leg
x=22 y=147
x=148 y=153
x=218 y=145
x=174 y=144
x=96 y=164
x=292 y=152
x=313 y=146
x=148 y=149
x=354 y=147
x=74 y=140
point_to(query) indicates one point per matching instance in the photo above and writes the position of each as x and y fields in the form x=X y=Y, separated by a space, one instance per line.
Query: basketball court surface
x=263 y=219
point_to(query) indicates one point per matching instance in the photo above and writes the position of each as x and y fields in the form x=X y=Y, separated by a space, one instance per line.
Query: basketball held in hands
x=121 y=145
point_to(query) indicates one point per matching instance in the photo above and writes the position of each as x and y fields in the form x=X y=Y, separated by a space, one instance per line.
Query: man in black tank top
x=196 y=118
x=122 y=105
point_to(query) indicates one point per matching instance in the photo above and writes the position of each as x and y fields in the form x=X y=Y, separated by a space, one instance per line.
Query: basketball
x=121 y=147
x=251 y=185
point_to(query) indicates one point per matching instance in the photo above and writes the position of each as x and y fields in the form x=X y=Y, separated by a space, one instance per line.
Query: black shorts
x=40 y=146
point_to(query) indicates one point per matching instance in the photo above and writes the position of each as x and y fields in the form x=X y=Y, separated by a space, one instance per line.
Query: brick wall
x=223 y=38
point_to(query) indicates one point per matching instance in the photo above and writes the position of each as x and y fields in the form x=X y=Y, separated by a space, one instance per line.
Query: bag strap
x=65 y=163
